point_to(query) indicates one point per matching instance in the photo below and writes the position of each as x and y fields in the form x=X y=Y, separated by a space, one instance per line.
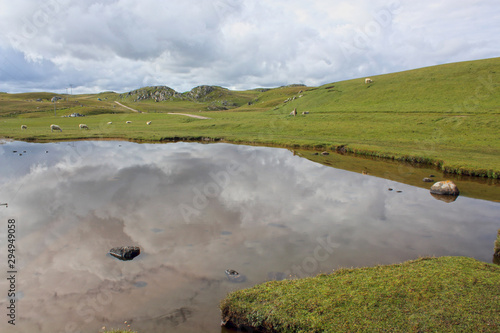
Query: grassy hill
x=447 y=294
x=445 y=115
x=464 y=88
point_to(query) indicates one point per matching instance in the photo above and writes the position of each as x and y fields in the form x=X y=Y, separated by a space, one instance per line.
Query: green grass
x=426 y=295
x=463 y=88
x=444 y=115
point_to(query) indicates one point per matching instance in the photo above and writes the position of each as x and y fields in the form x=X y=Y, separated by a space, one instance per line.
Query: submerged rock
x=446 y=187
x=125 y=252
x=234 y=276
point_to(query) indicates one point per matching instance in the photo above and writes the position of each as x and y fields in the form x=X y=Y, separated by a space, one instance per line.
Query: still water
x=196 y=210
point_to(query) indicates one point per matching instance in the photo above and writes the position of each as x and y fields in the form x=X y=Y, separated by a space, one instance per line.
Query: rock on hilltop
x=164 y=93
x=157 y=93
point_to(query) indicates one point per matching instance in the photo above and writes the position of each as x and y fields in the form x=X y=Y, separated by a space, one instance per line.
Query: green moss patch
x=426 y=295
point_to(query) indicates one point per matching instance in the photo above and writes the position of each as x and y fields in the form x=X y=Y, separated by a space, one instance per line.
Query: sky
x=92 y=46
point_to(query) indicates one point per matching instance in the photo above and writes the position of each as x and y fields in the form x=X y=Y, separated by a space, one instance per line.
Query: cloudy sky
x=121 y=45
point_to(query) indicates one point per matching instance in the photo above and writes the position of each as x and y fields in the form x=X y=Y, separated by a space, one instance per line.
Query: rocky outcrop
x=199 y=92
x=164 y=93
x=125 y=252
x=158 y=94
x=446 y=187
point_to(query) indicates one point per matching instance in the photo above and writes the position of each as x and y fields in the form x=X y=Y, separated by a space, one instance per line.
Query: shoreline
x=340 y=149
x=419 y=294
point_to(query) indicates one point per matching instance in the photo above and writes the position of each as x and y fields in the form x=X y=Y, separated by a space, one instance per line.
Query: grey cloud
x=242 y=44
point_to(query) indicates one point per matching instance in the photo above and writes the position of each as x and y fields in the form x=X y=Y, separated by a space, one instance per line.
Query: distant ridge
x=164 y=93
x=456 y=87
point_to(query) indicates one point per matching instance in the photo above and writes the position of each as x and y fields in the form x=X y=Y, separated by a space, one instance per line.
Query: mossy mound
x=426 y=295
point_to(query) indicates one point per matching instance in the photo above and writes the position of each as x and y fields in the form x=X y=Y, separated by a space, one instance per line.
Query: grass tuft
x=426 y=295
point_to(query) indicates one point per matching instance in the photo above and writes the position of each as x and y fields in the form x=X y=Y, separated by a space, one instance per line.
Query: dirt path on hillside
x=181 y=114
x=189 y=115
x=126 y=107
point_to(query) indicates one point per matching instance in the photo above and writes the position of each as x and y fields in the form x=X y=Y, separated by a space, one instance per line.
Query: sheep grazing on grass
x=294 y=112
x=368 y=80
x=83 y=126
x=128 y=122
x=305 y=112
x=110 y=122
x=55 y=128
x=148 y=123
x=23 y=127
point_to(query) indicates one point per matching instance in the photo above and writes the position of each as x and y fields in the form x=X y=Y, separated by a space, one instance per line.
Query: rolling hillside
x=445 y=115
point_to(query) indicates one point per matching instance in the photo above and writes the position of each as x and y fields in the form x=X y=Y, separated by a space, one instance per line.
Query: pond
x=196 y=210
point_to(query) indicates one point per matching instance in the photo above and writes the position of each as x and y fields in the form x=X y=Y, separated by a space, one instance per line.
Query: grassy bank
x=427 y=295
x=445 y=115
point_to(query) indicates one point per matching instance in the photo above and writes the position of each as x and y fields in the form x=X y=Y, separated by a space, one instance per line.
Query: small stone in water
x=125 y=252
x=234 y=276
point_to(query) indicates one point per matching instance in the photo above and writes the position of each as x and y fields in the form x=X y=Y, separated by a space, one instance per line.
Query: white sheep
x=294 y=112
x=368 y=80
x=83 y=126
x=128 y=122
x=110 y=122
x=55 y=127
x=23 y=127
x=148 y=123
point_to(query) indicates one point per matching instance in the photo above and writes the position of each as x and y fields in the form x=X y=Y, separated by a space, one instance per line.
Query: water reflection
x=196 y=211
x=445 y=198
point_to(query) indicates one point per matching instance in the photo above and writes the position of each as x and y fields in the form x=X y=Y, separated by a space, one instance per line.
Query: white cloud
x=235 y=43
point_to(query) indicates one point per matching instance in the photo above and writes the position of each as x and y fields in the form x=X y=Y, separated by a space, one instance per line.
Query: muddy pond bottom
x=199 y=213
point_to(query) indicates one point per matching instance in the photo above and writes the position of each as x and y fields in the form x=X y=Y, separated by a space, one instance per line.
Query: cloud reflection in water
x=264 y=217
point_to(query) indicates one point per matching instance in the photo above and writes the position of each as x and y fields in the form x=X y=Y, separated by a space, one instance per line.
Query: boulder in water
x=446 y=187
x=125 y=252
